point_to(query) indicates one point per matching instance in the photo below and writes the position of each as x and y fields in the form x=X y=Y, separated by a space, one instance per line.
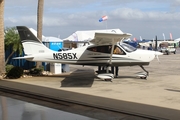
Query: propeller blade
x=157 y=58
x=157 y=55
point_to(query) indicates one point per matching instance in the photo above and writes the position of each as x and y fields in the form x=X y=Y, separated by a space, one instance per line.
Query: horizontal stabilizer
x=25 y=57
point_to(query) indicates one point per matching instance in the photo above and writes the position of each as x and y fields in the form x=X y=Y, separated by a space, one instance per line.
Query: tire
x=167 y=52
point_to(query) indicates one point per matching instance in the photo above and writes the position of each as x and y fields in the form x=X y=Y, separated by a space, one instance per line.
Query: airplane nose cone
x=158 y=53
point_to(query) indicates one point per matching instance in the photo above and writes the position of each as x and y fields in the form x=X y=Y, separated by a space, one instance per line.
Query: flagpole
x=106 y=24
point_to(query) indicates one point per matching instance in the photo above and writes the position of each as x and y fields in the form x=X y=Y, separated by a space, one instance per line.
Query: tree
x=12 y=40
x=4 y=108
x=2 y=54
x=39 y=23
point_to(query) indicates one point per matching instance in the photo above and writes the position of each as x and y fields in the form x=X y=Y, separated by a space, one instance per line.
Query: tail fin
x=31 y=44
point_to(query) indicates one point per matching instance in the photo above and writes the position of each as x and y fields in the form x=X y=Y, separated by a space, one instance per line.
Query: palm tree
x=12 y=40
x=39 y=23
x=2 y=57
x=4 y=108
x=2 y=54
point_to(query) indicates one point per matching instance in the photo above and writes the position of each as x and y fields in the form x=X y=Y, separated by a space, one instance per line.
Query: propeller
x=157 y=54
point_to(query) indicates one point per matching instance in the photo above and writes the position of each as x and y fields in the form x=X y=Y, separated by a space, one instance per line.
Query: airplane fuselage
x=84 y=56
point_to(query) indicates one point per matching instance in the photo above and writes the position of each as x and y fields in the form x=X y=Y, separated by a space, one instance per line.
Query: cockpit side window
x=118 y=50
x=107 y=49
x=101 y=49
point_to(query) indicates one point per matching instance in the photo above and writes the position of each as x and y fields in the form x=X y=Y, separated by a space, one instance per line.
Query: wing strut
x=113 y=43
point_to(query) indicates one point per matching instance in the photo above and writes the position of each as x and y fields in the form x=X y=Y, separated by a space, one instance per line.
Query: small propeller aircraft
x=99 y=53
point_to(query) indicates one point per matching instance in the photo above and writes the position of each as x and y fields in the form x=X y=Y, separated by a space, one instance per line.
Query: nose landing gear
x=144 y=74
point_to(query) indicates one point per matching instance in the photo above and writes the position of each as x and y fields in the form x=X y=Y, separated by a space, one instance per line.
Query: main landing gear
x=105 y=74
x=144 y=74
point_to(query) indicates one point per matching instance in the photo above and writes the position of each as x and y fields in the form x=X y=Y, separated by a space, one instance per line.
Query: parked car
x=167 y=47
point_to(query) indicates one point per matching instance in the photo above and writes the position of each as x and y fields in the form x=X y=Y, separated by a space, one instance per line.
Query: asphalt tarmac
x=156 y=96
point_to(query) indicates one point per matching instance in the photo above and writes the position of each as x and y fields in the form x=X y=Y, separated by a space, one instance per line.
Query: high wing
x=109 y=38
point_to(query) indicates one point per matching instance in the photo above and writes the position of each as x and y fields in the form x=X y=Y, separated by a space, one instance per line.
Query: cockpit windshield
x=127 y=47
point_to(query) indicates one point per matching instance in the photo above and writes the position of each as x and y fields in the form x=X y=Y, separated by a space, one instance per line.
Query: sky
x=145 y=18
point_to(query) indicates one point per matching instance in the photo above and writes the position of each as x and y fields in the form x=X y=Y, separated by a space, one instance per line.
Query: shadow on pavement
x=79 y=78
x=172 y=90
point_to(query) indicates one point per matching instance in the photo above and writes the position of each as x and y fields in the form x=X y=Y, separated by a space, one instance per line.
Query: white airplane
x=99 y=53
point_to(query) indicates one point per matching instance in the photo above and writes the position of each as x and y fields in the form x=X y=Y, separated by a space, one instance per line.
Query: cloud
x=66 y=17
x=24 y=20
x=54 y=22
x=176 y=3
x=135 y=14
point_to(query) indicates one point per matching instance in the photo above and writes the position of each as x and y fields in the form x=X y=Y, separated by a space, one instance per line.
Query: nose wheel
x=143 y=75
